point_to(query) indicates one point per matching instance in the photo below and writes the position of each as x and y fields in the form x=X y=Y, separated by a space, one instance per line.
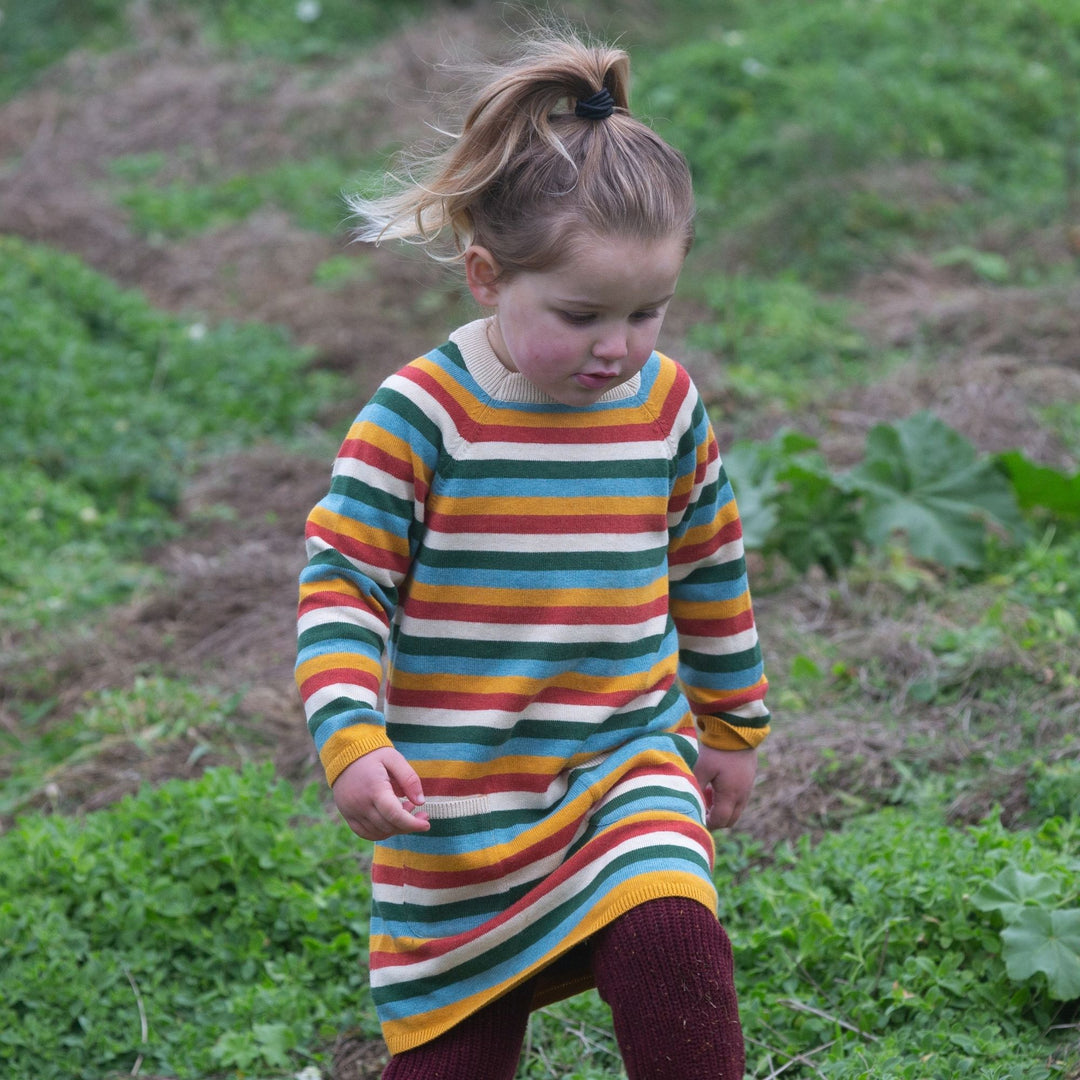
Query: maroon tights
x=664 y=968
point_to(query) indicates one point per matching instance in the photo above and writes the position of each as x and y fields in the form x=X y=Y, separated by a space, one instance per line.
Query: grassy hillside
x=883 y=312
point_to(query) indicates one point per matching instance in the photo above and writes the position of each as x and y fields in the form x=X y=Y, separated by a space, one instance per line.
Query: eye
x=645 y=316
x=577 y=318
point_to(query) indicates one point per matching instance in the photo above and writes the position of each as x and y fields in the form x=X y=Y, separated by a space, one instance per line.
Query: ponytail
x=547 y=151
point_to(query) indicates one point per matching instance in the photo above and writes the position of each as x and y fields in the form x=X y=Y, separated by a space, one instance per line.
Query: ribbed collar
x=496 y=380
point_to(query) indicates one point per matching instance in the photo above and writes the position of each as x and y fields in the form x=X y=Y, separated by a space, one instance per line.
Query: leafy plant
x=228 y=912
x=1041 y=487
x=790 y=503
x=924 y=480
x=1041 y=937
x=863 y=954
x=919 y=479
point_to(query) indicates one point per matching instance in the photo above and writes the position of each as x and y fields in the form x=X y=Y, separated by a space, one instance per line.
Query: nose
x=612 y=344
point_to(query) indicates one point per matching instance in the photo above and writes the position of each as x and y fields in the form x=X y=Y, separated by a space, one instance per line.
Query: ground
x=225 y=615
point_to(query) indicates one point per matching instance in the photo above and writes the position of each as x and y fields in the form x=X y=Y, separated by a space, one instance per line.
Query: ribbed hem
x=345 y=746
x=681 y=885
x=718 y=734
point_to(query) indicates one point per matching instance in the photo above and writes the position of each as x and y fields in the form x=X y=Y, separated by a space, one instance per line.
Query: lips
x=596 y=380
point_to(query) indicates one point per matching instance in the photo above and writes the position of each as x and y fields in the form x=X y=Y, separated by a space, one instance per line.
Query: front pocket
x=452 y=873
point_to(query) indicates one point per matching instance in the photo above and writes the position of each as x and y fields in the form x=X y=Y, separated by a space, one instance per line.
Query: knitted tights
x=664 y=968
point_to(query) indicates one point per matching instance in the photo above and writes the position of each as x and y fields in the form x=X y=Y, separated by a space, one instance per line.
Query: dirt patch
x=208 y=116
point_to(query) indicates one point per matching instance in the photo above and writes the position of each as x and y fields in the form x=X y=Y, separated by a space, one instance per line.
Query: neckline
x=502 y=384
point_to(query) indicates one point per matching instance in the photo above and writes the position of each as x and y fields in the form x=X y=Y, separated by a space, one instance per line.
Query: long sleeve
x=359 y=541
x=720 y=664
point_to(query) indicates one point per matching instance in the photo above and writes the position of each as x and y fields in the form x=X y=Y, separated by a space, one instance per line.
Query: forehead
x=631 y=267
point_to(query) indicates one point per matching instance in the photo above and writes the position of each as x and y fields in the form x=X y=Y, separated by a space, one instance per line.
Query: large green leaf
x=1046 y=941
x=1039 y=485
x=924 y=480
x=1013 y=890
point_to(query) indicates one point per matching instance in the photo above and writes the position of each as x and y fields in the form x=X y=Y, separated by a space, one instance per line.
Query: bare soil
x=224 y=617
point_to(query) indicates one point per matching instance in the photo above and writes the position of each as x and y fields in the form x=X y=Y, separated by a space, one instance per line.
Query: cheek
x=552 y=350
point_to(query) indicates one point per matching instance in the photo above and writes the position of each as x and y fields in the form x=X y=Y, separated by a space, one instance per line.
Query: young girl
x=532 y=525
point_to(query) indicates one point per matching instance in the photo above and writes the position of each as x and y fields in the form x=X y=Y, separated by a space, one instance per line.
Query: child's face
x=587 y=324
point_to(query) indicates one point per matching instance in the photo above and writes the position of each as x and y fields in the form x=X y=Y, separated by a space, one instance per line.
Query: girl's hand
x=379 y=795
x=726 y=777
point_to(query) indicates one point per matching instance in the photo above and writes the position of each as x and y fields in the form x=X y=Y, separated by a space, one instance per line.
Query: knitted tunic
x=560 y=597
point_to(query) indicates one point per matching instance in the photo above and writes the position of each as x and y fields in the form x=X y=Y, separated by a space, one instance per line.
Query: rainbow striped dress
x=554 y=601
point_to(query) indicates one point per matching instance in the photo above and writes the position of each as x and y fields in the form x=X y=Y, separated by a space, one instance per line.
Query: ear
x=482 y=273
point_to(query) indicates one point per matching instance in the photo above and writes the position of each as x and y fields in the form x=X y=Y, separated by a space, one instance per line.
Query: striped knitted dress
x=559 y=597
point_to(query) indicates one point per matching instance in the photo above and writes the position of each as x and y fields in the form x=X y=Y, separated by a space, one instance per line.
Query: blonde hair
x=526 y=174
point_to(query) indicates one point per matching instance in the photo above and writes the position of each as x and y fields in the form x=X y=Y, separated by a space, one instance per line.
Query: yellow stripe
x=330 y=661
x=514 y=598
x=540 y=506
x=520 y=685
x=377 y=538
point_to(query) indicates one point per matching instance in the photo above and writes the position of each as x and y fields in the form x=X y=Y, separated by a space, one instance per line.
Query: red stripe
x=557 y=615
x=689 y=553
x=369 y=454
x=552 y=525
x=335 y=676
x=359 y=551
x=716 y=628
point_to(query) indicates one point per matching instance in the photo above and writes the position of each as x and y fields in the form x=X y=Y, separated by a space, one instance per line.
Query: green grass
x=38 y=34
x=310 y=191
x=108 y=406
x=226 y=913
x=797 y=117
x=35 y=35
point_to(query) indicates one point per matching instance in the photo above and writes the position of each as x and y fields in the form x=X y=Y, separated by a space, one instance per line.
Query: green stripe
x=513 y=651
x=725 y=663
x=351 y=488
x=552 y=562
x=343 y=631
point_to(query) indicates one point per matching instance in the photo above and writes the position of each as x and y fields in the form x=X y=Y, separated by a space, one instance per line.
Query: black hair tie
x=598 y=107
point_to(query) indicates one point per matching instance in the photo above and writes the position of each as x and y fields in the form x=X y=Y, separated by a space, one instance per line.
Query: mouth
x=596 y=380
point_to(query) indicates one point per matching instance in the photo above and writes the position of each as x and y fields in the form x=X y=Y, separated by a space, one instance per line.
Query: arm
x=360 y=543
x=720 y=664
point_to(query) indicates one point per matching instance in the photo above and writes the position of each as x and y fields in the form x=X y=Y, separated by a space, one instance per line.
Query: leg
x=486 y=1044
x=666 y=970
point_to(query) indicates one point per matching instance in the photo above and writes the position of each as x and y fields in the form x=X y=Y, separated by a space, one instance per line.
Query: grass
x=801 y=116
x=111 y=404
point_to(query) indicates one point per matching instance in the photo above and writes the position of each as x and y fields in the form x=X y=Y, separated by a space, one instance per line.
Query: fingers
x=725 y=811
x=379 y=795
x=403 y=777
x=387 y=816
